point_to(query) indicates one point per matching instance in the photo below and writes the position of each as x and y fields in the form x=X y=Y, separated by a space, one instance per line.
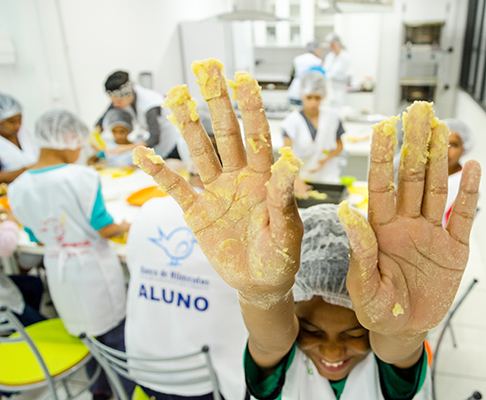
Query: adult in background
x=17 y=148
x=337 y=65
x=301 y=65
x=145 y=106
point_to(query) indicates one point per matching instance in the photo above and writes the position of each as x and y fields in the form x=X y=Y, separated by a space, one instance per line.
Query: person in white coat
x=17 y=147
x=461 y=141
x=337 y=65
x=301 y=65
x=314 y=134
x=60 y=205
x=145 y=106
x=176 y=302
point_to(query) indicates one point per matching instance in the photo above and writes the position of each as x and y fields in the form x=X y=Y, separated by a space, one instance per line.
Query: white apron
x=12 y=158
x=453 y=184
x=311 y=151
x=302 y=64
x=338 y=73
x=85 y=277
x=363 y=382
x=145 y=101
x=177 y=302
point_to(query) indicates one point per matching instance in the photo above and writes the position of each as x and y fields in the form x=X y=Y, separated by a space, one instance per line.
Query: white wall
x=101 y=36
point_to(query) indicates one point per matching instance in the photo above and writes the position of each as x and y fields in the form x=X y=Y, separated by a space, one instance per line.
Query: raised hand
x=246 y=220
x=405 y=269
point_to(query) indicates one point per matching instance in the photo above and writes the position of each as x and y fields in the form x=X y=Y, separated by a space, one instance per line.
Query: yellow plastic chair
x=40 y=355
x=115 y=362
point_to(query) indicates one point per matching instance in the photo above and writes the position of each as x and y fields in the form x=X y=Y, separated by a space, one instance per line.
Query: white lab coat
x=85 y=277
x=453 y=184
x=338 y=73
x=303 y=382
x=302 y=64
x=12 y=158
x=147 y=99
x=311 y=151
x=177 y=302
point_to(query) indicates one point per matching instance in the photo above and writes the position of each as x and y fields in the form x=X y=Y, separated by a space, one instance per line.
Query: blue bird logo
x=178 y=244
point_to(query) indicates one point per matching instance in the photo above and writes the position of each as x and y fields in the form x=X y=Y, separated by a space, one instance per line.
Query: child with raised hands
x=404 y=267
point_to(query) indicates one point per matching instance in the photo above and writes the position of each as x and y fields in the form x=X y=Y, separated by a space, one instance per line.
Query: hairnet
x=333 y=37
x=313 y=83
x=313 y=46
x=464 y=132
x=8 y=107
x=117 y=117
x=61 y=130
x=324 y=257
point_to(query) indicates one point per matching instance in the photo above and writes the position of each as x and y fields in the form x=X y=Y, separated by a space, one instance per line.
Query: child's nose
x=331 y=352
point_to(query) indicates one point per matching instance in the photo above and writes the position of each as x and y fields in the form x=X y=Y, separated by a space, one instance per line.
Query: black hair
x=116 y=79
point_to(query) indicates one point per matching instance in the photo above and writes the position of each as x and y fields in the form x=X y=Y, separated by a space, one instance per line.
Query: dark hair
x=116 y=79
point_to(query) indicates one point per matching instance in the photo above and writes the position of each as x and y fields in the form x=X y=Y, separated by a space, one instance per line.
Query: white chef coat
x=453 y=184
x=177 y=302
x=13 y=158
x=302 y=64
x=303 y=382
x=147 y=99
x=85 y=277
x=338 y=73
x=309 y=150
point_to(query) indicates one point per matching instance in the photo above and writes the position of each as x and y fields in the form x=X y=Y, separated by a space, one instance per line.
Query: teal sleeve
x=402 y=384
x=31 y=235
x=100 y=216
x=100 y=154
x=269 y=388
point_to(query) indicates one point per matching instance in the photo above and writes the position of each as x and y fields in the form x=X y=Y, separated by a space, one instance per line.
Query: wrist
x=266 y=298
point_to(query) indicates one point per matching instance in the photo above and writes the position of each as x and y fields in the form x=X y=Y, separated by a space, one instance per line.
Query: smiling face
x=331 y=337
x=456 y=150
x=10 y=127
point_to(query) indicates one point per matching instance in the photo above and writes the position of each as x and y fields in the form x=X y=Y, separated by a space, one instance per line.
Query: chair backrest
x=9 y=324
x=164 y=368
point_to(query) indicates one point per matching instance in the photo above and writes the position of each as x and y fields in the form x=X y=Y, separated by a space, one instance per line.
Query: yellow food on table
x=314 y=194
x=115 y=172
x=120 y=239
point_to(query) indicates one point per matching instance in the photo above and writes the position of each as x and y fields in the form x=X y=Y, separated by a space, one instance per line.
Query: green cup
x=347 y=180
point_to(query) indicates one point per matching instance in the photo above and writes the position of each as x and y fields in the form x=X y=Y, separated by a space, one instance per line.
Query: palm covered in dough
x=405 y=269
x=246 y=219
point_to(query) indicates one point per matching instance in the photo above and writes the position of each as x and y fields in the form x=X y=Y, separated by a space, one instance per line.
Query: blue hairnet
x=313 y=83
x=61 y=130
x=464 y=132
x=117 y=117
x=8 y=107
x=324 y=259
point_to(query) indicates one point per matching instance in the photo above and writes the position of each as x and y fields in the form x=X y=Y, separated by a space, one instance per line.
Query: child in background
x=21 y=293
x=404 y=268
x=61 y=206
x=461 y=141
x=120 y=124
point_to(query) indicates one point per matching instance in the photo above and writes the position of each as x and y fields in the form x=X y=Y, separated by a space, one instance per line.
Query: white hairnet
x=8 y=107
x=333 y=37
x=324 y=257
x=464 y=132
x=313 y=46
x=313 y=83
x=61 y=130
x=117 y=117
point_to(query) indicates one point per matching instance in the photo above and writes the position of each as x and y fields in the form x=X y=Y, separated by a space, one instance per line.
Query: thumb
x=363 y=274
